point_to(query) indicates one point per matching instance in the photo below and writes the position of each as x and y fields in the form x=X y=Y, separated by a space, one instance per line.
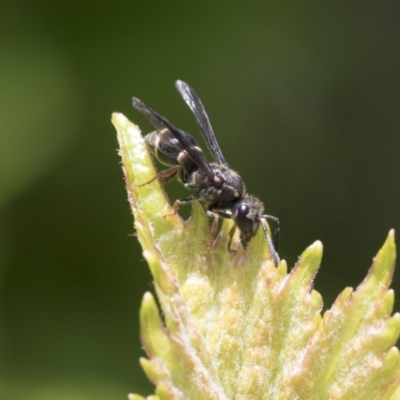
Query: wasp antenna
x=271 y=247
x=277 y=229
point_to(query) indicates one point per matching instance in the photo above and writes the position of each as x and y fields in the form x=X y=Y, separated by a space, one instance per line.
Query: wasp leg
x=277 y=229
x=224 y=214
x=231 y=233
x=271 y=247
x=164 y=176
x=213 y=230
x=180 y=202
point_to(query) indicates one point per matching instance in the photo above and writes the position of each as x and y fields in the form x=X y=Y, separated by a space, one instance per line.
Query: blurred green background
x=304 y=98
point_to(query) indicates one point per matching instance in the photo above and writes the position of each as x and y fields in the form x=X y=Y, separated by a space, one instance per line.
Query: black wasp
x=217 y=185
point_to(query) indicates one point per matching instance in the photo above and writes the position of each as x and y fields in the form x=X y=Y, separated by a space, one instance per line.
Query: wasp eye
x=243 y=210
x=244 y=221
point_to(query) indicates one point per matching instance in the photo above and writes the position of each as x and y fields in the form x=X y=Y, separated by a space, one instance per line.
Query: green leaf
x=236 y=327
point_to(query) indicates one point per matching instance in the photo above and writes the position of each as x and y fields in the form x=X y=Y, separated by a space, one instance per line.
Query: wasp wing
x=195 y=104
x=160 y=123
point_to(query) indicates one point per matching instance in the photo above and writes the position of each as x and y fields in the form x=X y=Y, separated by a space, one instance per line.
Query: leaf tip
x=311 y=258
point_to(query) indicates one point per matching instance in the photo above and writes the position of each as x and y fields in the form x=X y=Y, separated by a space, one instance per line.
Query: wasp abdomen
x=163 y=146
